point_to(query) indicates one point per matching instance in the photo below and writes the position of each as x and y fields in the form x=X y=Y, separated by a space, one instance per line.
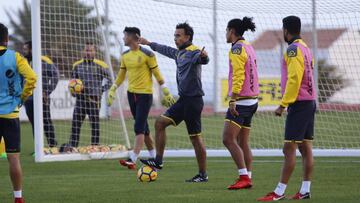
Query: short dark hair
x=29 y=43
x=240 y=26
x=132 y=30
x=4 y=33
x=187 y=28
x=292 y=24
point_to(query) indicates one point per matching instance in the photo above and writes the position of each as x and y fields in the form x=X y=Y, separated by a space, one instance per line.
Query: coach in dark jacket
x=92 y=72
x=50 y=78
x=189 y=60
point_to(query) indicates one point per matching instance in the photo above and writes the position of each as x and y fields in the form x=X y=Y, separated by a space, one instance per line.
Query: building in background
x=335 y=47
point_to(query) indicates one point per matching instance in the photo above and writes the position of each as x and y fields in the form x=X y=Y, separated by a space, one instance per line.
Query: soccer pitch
x=335 y=180
x=332 y=130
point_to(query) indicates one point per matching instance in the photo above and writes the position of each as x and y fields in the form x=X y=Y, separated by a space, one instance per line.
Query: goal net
x=66 y=26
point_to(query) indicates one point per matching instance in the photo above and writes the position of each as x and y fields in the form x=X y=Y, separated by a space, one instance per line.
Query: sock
x=249 y=174
x=158 y=159
x=243 y=172
x=280 y=189
x=305 y=187
x=18 y=194
x=152 y=153
x=133 y=156
x=202 y=174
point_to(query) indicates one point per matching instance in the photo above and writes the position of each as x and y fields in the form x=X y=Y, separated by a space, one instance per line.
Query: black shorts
x=10 y=131
x=299 y=125
x=245 y=115
x=140 y=105
x=187 y=109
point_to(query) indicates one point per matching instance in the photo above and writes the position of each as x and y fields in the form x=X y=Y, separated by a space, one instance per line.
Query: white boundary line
x=191 y=153
x=262 y=153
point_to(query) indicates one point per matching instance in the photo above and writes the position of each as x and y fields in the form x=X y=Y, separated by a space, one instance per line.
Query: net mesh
x=66 y=27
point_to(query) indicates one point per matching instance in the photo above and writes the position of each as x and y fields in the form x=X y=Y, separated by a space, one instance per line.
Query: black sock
x=203 y=174
x=158 y=159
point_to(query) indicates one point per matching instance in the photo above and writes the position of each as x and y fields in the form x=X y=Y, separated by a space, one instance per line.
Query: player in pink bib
x=243 y=90
x=299 y=95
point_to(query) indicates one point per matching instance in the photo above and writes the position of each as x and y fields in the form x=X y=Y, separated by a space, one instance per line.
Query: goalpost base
x=78 y=156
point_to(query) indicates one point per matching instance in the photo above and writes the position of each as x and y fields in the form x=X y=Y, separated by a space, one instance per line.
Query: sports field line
x=265 y=161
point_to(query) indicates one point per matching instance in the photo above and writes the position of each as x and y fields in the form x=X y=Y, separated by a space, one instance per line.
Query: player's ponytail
x=248 y=24
x=240 y=26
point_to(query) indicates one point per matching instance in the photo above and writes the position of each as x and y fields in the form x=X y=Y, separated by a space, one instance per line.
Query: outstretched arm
x=162 y=49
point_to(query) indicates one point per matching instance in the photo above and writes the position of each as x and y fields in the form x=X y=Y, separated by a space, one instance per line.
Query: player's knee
x=305 y=150
x=243 y=144
x=227 y=141
x=13 y=159
x=197 y=142
x=289 y=150
x=302 y=150
x=160 y=124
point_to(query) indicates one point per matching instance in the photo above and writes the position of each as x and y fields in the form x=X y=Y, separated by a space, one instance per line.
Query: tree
x=22 y=30
x=329 y=81
x=66 y=26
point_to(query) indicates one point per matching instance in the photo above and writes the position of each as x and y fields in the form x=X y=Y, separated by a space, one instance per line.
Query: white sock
x=133 y=156
x=152 y=153
x=249 y=174
x=280 y=189
x=243 y=171
x=18 y=194
x=305 y=187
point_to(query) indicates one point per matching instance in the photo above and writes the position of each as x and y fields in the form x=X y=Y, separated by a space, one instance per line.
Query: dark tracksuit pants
x=86 y=105
x=140 y=105
x=49 y=130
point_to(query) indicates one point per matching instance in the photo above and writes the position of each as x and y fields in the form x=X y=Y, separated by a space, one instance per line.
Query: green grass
x=332 y=130
x=335 y=180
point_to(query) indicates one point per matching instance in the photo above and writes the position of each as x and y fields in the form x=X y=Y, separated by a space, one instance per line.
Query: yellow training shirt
x=295 y=72
x=139 y=65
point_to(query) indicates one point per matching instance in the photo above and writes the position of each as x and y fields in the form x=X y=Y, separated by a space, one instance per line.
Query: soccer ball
x=51 y=150
x=66 y=148
x=75 y=86
x=147 y=174
x=115 y=148
x=82 y=150
x=104 y=148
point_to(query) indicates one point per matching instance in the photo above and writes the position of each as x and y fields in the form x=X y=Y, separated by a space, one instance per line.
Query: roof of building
x=271 y=38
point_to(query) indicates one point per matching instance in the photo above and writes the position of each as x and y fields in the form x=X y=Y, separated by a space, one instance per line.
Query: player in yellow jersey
x=139 y=64
x=298 y=96
x=17 y=81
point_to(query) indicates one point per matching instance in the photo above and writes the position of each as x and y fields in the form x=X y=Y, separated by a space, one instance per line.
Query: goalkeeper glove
x=167 y=99
x=111 y=94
